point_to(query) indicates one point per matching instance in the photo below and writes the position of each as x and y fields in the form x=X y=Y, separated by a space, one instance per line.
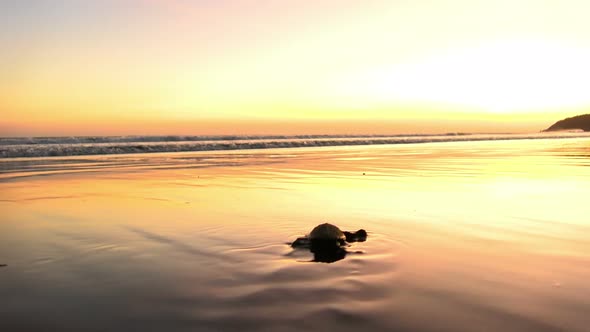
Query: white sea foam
x=18 y=147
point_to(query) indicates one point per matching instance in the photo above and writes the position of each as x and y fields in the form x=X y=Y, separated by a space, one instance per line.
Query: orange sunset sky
x=116 y=67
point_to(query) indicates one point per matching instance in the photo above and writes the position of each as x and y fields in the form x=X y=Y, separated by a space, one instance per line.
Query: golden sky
x=256 y=67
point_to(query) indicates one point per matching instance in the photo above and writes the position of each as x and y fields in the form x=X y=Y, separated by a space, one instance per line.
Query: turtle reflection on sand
x=327 y=242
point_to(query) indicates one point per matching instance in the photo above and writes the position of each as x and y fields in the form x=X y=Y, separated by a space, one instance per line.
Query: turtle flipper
x=301 y=242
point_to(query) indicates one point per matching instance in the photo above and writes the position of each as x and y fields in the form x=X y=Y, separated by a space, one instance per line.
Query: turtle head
x=358 y=236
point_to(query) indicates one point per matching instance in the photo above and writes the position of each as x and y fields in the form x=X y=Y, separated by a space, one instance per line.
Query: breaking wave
x=19 y=147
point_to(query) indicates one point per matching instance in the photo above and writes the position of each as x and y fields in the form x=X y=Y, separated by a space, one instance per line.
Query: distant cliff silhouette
x=577 y=122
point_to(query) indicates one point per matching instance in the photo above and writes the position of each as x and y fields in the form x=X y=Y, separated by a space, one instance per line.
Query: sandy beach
x=462 y=235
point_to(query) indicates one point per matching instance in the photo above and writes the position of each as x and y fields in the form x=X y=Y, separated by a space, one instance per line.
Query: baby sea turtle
x=327 y=242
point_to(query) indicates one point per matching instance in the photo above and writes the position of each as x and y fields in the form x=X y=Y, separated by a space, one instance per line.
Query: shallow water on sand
x=467 y=236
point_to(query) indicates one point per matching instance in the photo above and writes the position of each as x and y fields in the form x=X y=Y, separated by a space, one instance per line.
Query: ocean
x=465 y=233
x=26 y=147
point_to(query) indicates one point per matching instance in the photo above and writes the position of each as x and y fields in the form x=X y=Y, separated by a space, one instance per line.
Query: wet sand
x=464 y=236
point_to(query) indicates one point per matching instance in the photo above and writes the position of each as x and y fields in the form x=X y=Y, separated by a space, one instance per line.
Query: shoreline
x=29 y=151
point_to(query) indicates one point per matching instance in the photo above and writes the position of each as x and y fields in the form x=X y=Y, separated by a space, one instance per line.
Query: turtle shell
x=326 y=232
